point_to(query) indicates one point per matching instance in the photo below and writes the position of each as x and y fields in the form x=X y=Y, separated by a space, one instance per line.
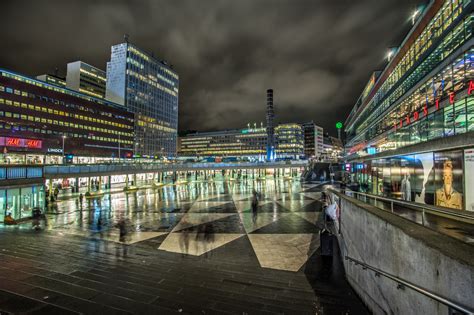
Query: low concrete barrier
x=406 y=250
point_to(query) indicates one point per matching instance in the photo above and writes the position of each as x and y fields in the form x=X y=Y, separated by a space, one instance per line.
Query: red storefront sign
x=416 y=115
x=21 y=143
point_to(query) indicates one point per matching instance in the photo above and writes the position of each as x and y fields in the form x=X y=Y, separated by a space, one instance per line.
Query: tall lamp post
x=64 y=155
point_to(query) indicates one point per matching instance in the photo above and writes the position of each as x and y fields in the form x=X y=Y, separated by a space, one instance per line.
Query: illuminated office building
x=86 y=79
x=52 y=79
x=38 y=119
x=313 y=140
x=149 y=88
x=410 y=134
x=289 y=141
x=250 y=142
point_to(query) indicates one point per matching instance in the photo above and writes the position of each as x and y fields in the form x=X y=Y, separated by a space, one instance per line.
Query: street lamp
x=64 y=138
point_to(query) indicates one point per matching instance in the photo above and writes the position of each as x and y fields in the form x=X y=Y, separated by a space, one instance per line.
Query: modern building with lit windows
x=86 y=79
x=411 y=133
x=250 y=143
x=52 y=79
x=149 y=88
x=313 y=140
x=38 y=120
x=289 y=141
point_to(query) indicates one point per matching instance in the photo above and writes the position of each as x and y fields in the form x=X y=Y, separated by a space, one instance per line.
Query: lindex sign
x=424 y=111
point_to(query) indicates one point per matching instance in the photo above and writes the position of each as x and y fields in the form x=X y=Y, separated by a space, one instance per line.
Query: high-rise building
x=52 y=79
x=85 y=78
x=149 y=88
x=409 y=135
x=270 y=126
x=313 y=140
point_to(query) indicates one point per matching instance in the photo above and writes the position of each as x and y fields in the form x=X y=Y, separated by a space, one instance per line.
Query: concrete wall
x=409 y=251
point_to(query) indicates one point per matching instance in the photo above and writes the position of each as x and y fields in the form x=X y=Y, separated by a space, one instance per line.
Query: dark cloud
x=317 y=55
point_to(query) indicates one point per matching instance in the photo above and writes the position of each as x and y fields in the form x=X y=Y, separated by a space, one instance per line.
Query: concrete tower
x=270 y=127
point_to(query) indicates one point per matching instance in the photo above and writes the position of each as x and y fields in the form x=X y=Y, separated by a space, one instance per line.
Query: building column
x=51 y=197
x=100 y=183
x=110 y=182
x=135 y=180
x=88 y=192
x=126 y=181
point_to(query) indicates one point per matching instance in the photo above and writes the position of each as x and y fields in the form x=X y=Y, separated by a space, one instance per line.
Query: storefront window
x=2 y=205
x=470 y=114
x=13 y=205
x=448 y=121
x=460 y=116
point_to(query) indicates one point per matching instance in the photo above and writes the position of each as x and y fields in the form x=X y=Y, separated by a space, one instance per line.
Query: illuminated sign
x=339 y=125
x=14 y=142
x=424 y=111
x=371 y=150
x=36 y=144
x=21 y=143
x=55 y=150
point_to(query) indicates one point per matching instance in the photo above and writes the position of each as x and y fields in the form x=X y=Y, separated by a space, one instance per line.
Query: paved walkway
x=190 y=249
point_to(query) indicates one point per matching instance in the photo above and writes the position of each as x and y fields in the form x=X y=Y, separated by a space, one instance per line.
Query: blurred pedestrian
x=254 y=206
x=123 y=234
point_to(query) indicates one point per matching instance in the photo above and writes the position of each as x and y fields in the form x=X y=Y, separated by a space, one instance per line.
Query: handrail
x=404 y=283
x=413 y=205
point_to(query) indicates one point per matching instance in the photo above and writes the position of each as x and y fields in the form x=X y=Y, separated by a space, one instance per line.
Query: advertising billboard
x=469 y=178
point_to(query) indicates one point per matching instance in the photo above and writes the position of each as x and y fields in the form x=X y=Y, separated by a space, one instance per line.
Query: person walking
x=254 y=206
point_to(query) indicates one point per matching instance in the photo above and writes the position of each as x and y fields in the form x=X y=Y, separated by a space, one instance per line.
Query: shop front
x=444 y=178
x=20 y=201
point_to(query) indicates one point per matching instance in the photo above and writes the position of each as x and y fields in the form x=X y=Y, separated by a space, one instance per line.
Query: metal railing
x=411 y=206
x=406 y=284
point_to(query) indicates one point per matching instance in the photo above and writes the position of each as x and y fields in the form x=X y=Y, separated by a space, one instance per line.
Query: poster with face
x=469 y=178
x=449 y=179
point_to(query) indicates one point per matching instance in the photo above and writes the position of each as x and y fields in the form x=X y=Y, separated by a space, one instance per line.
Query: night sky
x=317 y=55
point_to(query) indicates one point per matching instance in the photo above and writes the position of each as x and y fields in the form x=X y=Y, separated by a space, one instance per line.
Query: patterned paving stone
x=290 y=224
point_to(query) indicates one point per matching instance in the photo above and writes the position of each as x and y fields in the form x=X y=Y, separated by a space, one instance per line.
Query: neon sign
x=416 y=115
x=14 y=142
x=21 y=143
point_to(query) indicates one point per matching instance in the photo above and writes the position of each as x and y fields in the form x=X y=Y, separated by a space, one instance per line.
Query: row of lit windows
x=59 y=123
x=90 y=93
x=452 y=78
x=14 y=128
x=61 y=113
x=379 y=104
x=58 y=89
x=151 y=82
x=147 y=59
x=100 y=76
x=445 y=16
x=448 y=121
x=69 y=106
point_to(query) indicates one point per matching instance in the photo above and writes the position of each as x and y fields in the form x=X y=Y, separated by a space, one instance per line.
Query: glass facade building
x=249 y=143
x=289 y=141
x=149 y=88
x=424 y=94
